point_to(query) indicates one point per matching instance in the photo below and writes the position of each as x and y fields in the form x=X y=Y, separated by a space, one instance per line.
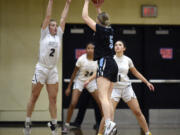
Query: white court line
x=139 y=81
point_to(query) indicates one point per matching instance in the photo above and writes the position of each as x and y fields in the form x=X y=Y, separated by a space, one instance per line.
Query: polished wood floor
x=89 y=131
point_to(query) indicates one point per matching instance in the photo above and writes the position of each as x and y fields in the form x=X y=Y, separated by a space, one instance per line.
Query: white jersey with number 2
x=49 y=47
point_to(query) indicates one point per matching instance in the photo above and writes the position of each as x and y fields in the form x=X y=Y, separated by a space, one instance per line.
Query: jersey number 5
x=52 y=52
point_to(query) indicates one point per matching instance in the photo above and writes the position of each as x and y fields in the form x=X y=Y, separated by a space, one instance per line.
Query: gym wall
x=20 y=22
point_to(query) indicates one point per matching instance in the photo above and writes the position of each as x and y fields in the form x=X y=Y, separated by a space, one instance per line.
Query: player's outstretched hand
x=68 y=1
x=86 y=83
x=68 y=91
x=150 y=86
x=98 y=3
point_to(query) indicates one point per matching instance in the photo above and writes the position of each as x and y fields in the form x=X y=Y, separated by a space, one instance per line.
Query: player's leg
x=97 y=109
x=101 y=127
x=37 y=85
x=92 y=88
x=134 y=106
x=36 y=89
x=129 y=97
x=83 y=104
x=105 y=88
x=75 y=96
x=52 y=89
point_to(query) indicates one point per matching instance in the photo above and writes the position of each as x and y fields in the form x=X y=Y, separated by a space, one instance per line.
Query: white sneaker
x=148 y=133
x=53 y=127
x=114 y=131
x=27 y=128
x=110 y=128
x=66 y=129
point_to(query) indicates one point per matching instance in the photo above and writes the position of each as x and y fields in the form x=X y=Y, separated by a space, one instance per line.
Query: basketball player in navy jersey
x=107 y=67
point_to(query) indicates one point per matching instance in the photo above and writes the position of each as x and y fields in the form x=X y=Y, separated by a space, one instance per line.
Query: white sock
x=28 y=119
x=147 y=133
x=54 y=121
x=67 y=124
x=107 y=121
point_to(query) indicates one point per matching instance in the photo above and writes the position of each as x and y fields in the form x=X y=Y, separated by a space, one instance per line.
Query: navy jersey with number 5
x=103 y=42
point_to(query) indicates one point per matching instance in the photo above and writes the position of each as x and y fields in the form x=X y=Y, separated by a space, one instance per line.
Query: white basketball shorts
x=125 y=93
x=45 y=75
x=79 y=85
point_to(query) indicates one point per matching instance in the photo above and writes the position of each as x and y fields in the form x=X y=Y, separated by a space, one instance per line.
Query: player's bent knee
x=73 y=105
x=53 y=99
x=137 y=113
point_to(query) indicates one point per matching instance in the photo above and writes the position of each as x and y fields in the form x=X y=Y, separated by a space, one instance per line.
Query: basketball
x=97 y=1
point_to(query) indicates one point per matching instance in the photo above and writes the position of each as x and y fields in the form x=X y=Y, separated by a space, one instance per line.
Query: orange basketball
x=97 y=1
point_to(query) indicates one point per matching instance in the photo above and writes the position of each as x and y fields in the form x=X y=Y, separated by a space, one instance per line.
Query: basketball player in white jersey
x=123 y=89
x=46 y=69
x=85 y=68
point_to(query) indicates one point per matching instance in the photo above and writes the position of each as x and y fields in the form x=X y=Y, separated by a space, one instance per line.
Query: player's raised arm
x=48 y=14
x=88 y=20
x=98 y=6
x=64 y=14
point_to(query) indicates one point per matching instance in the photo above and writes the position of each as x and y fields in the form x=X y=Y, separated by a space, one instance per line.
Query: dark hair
x=89 y=43
x=122 y=42
x=103 y=18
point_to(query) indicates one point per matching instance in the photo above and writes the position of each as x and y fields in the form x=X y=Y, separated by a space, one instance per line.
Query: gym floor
x=90 y=131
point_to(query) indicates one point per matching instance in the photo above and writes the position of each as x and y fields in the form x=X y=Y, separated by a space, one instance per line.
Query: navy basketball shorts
x=107 y=67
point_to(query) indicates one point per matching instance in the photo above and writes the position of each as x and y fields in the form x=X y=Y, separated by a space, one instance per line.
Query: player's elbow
x=85 y=18
x=84 y=15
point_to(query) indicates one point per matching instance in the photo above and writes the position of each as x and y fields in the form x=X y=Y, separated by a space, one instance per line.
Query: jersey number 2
x=52 y=52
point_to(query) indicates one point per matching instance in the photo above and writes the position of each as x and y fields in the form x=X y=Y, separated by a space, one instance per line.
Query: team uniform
x=122 y=88
x=46 y=68
x=86 y=69
x=103 y=53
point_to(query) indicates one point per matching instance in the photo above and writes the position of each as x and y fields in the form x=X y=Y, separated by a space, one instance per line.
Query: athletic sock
x=107 y=121
x=28 y=119
x=67 y=124
x=54 y=121
x=147 y=133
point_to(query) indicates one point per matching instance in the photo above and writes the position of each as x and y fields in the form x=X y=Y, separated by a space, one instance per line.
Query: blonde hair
x=103 y=18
